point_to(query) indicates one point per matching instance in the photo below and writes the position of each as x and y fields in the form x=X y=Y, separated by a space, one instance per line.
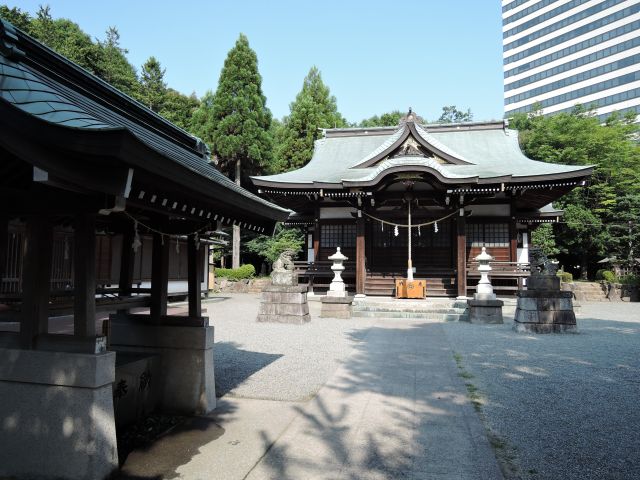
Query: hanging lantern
x=395 y=231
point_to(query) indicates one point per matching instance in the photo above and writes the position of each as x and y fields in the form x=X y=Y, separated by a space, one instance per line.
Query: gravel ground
x=566 y=406
x=276 y=361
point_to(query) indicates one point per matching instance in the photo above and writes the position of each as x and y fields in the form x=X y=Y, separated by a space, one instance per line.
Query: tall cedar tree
x=240 y=117
x=313 y=109
x=241 y=121
x=153 y=88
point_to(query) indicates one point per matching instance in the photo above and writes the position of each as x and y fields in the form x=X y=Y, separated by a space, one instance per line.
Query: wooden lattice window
x=338 y=235
x=487 y=234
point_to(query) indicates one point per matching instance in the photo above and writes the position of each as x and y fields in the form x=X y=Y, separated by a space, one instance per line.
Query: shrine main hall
x=425 y=197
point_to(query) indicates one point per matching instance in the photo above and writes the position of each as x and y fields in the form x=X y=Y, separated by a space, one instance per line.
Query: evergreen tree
x=450 y=114
x=153 y=88
x=389 y=119
x=114 y=68
x=16 y=17
x=241 y=121
x=313 y=109
x=596 y=219
x=202 y=121
x=179 y=109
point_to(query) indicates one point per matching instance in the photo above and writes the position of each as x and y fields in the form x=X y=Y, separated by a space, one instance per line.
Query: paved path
x=394 y=409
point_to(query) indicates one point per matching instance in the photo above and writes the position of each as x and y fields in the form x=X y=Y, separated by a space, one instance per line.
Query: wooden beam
x=194 y=277
x=462 y=256
x=36 y=277
x=159 y=276
x=360 y=255
x=84 y=269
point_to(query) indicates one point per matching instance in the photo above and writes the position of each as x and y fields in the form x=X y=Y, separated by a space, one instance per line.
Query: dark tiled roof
x=51 y=88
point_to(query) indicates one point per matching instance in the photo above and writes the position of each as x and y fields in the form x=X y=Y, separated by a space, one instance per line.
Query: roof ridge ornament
x=411 y=117
x=9 y=41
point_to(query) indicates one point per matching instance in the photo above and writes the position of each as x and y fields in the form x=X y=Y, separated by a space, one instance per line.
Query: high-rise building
x=559 y=53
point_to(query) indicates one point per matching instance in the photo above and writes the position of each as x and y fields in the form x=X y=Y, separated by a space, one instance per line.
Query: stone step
x=432 y=316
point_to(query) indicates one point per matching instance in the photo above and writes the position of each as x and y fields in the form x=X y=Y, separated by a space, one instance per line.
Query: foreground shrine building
x=83 y=161
x=459 y=186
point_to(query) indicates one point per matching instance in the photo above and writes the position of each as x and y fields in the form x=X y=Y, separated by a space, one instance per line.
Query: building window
x=487 y=235
x=343 y=236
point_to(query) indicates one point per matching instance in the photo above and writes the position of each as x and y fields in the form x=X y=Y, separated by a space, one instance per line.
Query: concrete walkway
x=395 y=409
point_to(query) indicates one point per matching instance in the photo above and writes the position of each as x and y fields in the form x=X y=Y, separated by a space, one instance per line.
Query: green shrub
x=630 y=279
x=600 y=274
x=609 y=276
x=565 y=277
x=240 y=273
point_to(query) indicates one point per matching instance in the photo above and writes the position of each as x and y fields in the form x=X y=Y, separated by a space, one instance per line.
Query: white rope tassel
x=395 y=231
x=435 y=227
x=136 y=239
x=382 y=225
x=178 y=245
x=418 y=230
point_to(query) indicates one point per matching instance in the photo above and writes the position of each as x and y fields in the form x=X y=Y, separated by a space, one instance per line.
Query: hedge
x=240 y=273
x=565 y=277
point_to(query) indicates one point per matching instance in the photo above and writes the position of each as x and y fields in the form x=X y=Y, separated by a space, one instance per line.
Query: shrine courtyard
x=399 y=398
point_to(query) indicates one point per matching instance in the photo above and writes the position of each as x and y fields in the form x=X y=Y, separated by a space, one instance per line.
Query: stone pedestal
x=187 y=381
x=284 y=304
x=336 y=307
x=543 y=308
x=485 y=307
x=57 y=415
x=485 y=310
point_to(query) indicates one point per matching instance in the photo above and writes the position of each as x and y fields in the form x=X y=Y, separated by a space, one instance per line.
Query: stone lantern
x=336 y=289
x=484 y=290
x=485 y=307
x=336 y=304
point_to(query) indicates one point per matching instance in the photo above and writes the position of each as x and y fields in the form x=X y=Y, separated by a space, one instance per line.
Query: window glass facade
x=568 y=36
x=332 y=236
x=487 y=234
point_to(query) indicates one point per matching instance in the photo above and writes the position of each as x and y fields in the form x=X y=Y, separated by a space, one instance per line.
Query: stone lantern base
x=485 y=310
x=336 y=307
x=545 y=311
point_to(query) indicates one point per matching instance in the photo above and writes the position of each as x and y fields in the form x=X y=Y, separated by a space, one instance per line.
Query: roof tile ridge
x=427 y=137
x=383 y=146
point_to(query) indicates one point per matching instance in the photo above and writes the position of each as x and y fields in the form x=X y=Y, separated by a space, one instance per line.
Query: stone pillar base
x=187 y=383
x=284 y=304
x=56 y=412
x=336 y=307
x=485 y=311
x=545 y=311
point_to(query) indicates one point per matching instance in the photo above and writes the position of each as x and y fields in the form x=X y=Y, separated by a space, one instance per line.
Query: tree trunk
x=235 y=256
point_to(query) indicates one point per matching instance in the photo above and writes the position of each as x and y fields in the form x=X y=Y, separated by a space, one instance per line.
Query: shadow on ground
x=233 y=366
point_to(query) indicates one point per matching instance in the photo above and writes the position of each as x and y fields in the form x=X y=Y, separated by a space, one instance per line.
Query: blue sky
x=375 y=56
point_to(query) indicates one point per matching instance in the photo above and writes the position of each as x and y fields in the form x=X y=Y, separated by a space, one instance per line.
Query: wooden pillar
x=360 y=255
x=513 y=241
x=194 y=277
x=159 y=276
x=84 y=276
x=126 y=263
x=36 y=279
x=462 y=255
x=316 y=233
x=4 y=243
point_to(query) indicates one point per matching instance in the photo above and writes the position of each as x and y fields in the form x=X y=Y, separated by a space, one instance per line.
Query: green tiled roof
x=476 y=152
